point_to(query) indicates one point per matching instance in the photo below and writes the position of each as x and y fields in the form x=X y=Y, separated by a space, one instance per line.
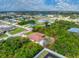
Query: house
x=76 y=30
x=42 y=21
x=47 y=53
x=41 y=39
x=36 y=37
x=31 y=25
x=11 y=20
x=6 y=27
x=29 y=29
x=1 y=32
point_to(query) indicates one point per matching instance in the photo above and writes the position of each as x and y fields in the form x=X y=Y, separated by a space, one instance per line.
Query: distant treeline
x=42 y=12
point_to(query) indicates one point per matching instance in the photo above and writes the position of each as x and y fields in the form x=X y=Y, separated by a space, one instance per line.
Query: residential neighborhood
x=39 y=36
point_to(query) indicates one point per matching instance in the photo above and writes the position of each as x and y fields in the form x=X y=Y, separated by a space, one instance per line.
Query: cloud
x=38 y=5
x=63 y=5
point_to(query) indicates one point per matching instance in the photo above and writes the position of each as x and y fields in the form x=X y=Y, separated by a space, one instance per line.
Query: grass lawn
x=16 y=30
x=29 y=33
x=3 y=35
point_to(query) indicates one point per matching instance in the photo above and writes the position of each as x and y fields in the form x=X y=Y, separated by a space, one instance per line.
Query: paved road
x=18 y=34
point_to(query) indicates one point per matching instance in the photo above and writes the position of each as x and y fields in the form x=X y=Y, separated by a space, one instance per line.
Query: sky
x=39 y=5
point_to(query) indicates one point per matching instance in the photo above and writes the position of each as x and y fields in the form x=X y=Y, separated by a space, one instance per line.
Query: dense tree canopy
x=24 y=22
x=66 y=42
x=18 y=47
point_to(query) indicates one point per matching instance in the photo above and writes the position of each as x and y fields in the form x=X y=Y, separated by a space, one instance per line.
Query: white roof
x=4 y=26
x=43 y=20
x=74 y=30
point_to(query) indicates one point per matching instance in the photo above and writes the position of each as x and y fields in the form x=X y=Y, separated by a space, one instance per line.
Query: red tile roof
x=36 y=36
